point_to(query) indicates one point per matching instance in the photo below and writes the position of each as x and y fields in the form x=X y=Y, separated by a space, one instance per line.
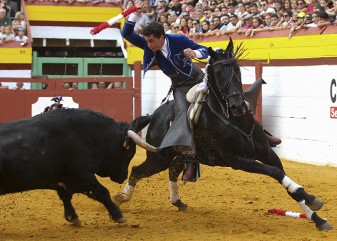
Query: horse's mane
x=239 y=53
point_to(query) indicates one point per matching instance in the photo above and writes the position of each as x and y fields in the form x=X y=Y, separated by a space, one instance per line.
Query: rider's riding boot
x=191 y=171
x=273 y=141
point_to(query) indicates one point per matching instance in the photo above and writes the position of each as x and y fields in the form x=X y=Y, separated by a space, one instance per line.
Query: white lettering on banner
x=333 y=112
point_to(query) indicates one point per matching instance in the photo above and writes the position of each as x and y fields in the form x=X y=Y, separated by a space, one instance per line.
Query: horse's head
x=225 y=72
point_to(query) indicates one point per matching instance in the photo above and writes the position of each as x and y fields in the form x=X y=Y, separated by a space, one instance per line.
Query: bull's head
x=128 y=148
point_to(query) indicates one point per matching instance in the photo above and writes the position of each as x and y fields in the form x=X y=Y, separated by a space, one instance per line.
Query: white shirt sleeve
x=133 y=17
x=198 y=54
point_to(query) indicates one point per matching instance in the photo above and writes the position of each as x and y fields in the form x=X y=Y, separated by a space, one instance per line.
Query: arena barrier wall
x=121 y=104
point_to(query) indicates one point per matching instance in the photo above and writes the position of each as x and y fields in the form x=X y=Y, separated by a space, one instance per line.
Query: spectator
x=173 y=18
x=247 y=23
x=199 y=15
x=257 y=24
x=267 y=21
x=118 y=85
x=204 y=4
x=212 y=5
x=294 y=6
x=236 y=23
x=298 y=25
x=4 y=5
x=175 y=28
x=8 y=36
x=167 y=28
x=143 y=20
x=94 y=86
x=128 y=4
x=149 y=10
x=183 y=27
x=176 y=7
x=278 y=6
x=21 y=37
x=225 y=23
x=324 y=5
x=253 y=9
x=266 y=9
x=311 y=6
x=217 y=23
x=240 y=10
x=163 y=6
x=302 y=6
x=19 y=86
x=323 y=19
x=4 y=20
x=315 y=19
x=74 y=86
x=19 y=21
x=287 y=5
x=287 y=15
x=205 y=28
x=66 y=86
x=231 y=8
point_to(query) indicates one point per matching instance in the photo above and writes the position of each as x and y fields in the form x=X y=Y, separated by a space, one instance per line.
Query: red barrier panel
x=119 y=104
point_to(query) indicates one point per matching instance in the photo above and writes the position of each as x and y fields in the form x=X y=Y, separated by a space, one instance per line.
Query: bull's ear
x=139 y=123
x=211 y=52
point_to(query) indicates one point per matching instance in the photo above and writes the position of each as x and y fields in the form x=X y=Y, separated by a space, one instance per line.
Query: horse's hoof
x=76 y=221
x=180 y=205
x=118 y=200
x=120 y=220
x=316 y=205
x=324 y=227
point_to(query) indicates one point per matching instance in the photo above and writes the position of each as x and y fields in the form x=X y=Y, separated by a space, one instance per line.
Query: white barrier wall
x=296 y=107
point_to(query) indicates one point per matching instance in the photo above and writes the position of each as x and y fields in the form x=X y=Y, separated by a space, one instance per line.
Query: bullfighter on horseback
x=173 y=54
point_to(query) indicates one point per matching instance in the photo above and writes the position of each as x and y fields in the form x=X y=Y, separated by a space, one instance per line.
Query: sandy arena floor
x=223 y=205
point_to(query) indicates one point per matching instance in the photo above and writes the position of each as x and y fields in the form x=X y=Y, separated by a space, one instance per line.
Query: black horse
x=226 y=135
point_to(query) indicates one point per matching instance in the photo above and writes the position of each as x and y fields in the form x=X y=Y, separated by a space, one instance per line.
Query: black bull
x=226 y=135
x=63 y=150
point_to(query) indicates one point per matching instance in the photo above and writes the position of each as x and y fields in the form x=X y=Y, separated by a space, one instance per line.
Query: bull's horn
x=141 y=142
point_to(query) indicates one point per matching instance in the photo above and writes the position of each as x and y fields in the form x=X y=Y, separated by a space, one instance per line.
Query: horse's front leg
x=153 y=164
x=175 y=169
x=304 y=199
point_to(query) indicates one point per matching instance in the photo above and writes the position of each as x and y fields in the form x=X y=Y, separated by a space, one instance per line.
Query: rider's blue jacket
x=179 y=64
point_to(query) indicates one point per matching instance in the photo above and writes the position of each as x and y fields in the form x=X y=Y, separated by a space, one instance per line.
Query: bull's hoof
x=316 y=205
x=119 y=220
x=324 y=227
x=180 y=205
x=118 y=199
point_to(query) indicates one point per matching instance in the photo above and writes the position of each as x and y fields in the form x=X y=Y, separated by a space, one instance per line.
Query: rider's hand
x=189 y=53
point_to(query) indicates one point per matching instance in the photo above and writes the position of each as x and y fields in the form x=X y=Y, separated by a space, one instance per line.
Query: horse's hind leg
x=175 y=169
x=152 y=165
x=296 y=191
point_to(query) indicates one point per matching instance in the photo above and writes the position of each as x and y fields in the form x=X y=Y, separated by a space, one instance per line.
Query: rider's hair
x=154 y=28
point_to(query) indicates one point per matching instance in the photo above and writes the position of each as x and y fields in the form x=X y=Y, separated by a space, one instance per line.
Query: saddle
x=196 y=96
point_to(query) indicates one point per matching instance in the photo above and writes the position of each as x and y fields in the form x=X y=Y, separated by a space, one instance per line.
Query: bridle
x=232 y=75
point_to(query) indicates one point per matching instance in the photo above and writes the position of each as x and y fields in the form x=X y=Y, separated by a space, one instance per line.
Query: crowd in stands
x=220 y=17
x=12 y=24
x=94 y=86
